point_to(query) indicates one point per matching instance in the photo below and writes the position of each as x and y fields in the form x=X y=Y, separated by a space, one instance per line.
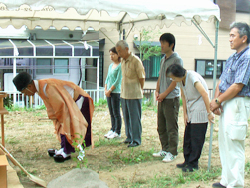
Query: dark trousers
x=194 y=138
x=167 y=120
x=114 y=110
x=131 y=109
x=85 y=112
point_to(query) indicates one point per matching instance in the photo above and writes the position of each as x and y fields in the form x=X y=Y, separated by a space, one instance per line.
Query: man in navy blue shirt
x=232 y=103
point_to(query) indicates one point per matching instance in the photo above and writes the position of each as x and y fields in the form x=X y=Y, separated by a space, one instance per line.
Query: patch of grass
x=107 y=142
x=39 y=114
x=101 y=102
x=174 y=181
x=42 y=107
x=186 y=178
x=135 y=156
x=21 y=173
x=247 y=168
x=14 y=108
x=12 y=140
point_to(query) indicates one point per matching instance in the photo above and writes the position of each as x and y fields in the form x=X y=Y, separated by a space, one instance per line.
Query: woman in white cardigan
x=196 y=110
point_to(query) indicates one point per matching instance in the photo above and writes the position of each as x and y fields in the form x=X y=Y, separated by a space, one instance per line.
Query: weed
x=76 y=142
x=101 y=102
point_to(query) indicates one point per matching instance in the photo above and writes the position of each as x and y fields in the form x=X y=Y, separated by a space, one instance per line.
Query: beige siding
x=187 y=44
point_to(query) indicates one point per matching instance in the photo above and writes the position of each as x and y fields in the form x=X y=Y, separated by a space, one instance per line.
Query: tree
x=146 y=46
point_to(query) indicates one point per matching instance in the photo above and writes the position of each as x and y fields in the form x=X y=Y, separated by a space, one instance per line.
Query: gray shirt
x=196 y=108
x=165 y=81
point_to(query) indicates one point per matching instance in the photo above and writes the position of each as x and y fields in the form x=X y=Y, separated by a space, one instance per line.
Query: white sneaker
x=169 y=157
x=160 y=154
x=108 y=134
x=114 y=135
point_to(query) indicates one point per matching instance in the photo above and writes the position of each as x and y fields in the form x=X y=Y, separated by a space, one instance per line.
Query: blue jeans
x=114 y=110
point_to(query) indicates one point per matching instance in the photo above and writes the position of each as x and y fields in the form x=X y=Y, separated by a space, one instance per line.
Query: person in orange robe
x=70 y=108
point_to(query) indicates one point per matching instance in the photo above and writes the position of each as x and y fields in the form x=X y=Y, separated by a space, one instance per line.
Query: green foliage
x=145 y=46
x=181 y=102
x=247 y=168
x=148 y=103
x=8 y=101
x=14 y=108
x=42 y=107
x=76 y=141
x=101 y=102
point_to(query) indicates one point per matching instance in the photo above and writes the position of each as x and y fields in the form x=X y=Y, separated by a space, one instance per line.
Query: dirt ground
x=28 y=135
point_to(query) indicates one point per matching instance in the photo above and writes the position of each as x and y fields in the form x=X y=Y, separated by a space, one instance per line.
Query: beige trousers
x=232 y=133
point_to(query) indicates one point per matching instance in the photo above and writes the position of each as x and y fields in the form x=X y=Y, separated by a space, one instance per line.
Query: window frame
x=151 y=68
x=51 y=63
x=54 y=67
x=223 y=63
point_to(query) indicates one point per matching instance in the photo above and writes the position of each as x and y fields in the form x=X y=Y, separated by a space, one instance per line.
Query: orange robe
x=62 y=109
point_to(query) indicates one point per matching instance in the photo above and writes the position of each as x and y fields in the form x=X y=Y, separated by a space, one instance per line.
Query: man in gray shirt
x=167 y=95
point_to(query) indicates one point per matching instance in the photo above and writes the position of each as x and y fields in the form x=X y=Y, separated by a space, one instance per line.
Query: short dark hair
x=175 y=70
x=114 y=51
x=243 y=29
x=22 y=80
x=168 y=37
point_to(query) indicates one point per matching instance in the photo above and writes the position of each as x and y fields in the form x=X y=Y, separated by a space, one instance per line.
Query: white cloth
x=232 y=133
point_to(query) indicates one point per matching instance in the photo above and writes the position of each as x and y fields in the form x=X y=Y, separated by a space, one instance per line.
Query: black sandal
x=60 y=158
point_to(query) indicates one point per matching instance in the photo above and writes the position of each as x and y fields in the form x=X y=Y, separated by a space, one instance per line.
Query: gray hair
x=243 y=29
x=122 y=43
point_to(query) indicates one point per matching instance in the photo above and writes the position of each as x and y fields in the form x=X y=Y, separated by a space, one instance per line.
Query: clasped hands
x=215 y=108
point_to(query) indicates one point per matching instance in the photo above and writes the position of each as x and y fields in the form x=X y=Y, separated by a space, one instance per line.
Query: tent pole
x=202 y=32
x=107 y=36
x=97 y=81
x=214 y=86
x=14 y=75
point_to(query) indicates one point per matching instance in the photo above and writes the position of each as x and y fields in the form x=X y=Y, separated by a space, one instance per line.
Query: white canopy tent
x=112 y=14
x=108 y=14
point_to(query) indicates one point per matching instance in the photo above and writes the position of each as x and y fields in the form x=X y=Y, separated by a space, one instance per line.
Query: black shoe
x=51 y=152
x=217 y=185
x=60 y=158
x=133 y=144
x=189 y=168
x=126 y=142
x=182 y=165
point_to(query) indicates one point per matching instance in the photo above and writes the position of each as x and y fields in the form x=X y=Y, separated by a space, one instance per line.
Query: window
x=205 y=67
x=152 y=67
x=43 y=66
x=61 y=66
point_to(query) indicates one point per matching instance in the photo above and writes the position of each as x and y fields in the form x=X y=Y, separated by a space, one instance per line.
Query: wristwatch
x=217 y=101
